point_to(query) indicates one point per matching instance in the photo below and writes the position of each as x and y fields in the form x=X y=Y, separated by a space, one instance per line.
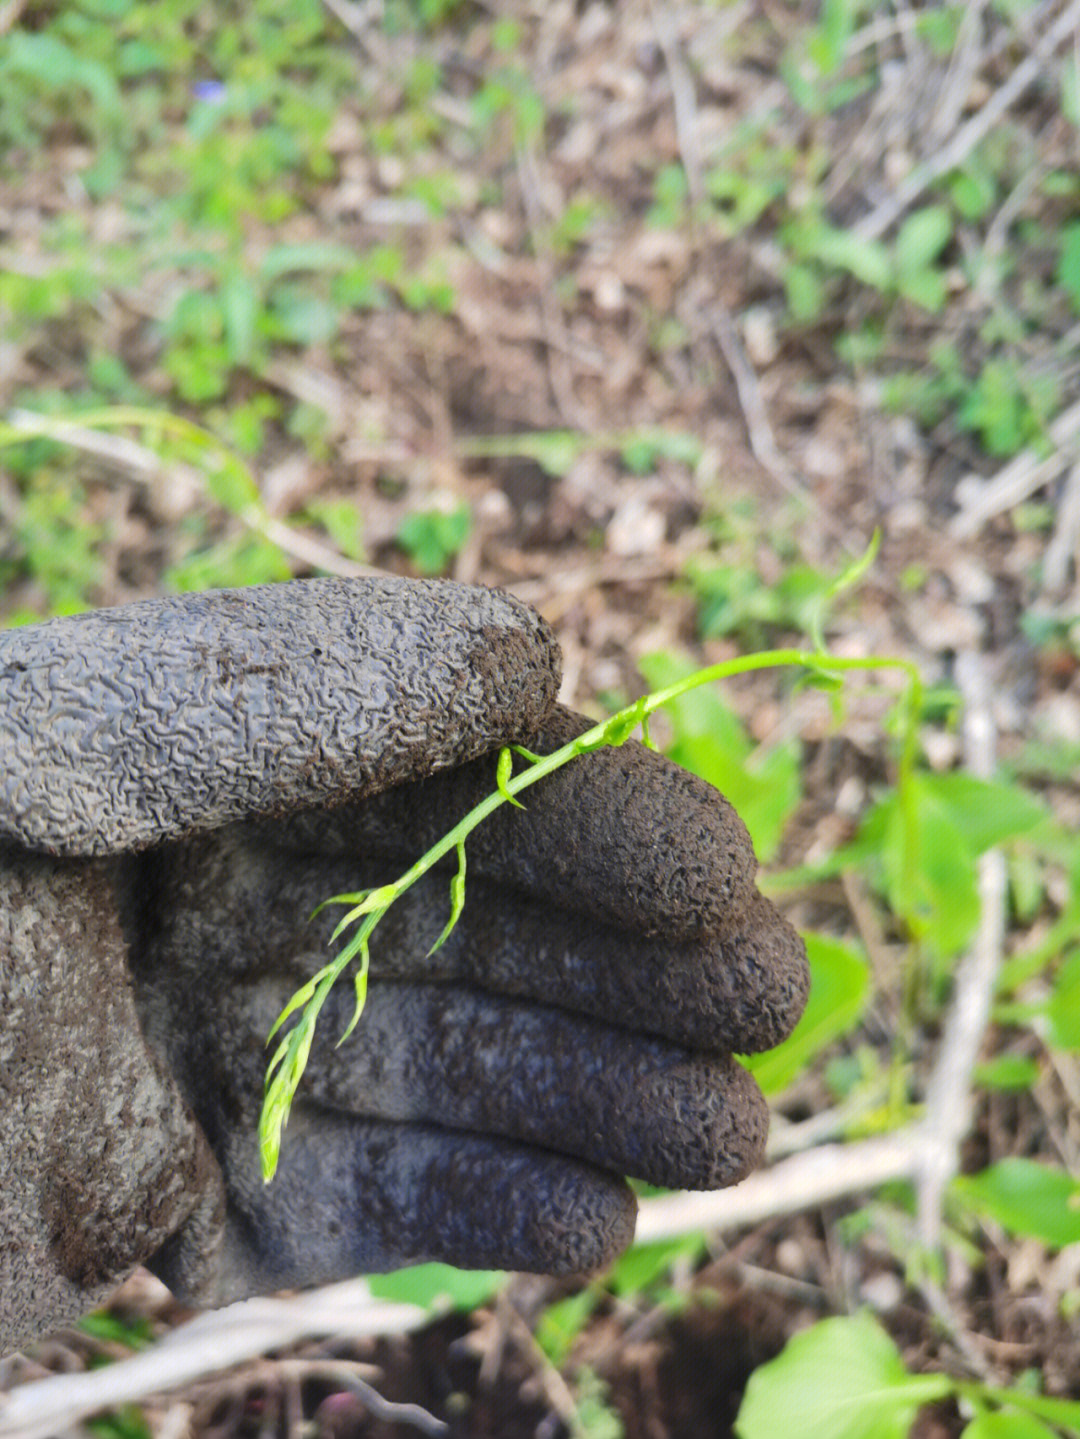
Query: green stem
x=287 y=1065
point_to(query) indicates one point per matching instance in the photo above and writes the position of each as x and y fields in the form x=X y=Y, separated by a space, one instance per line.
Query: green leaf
x=127 y=1422
x=432 y=538
x=1007 y=1425
x=503 y=773
x=360 y=983
x=343 y=522
x=642 y=1265
x=457 y=897
x=299 y=999
x=1007 y=1073
x=562 y=1322
x=1025 y=1197
x=842 y=1379
x=239 y=301
x=922 y=237
x=1063 y=1008
x=438 y=1286
x=867 y=260
x=924 y=862
x=926 y=288
x=134 y=1333
x=283 y=1075
x=302 y=317
x=935 y=889
x=1070 y=91
x=839 y=988
x=1062 y=1413
x=804 y=290
x=304 y=256
x=987 y=812
x=1068 y=271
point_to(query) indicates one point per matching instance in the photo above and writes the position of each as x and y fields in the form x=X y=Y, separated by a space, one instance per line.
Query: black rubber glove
x=181 y=781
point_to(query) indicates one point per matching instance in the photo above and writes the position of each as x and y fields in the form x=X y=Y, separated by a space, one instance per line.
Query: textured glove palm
x=181 y=782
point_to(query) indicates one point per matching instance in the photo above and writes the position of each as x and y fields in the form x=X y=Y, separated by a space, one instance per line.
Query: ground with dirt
x=610 y=328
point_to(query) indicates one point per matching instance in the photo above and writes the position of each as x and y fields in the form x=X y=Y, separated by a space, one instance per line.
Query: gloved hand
x=181 y=782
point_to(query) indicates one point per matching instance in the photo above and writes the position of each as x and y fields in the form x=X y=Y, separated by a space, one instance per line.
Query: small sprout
x=503 y=773
x=457 y=890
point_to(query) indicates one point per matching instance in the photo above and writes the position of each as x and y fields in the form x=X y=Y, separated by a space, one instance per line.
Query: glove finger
x=360 y=1197
x=128 y=726
x=742 y=992
x=625 y=1102
x=621 y=834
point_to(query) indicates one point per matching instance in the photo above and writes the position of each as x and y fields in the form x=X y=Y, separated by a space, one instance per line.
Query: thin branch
x=341 y=1371
x=552 y=319
x=142 y=464
x=949 y=1102
x=1021 y=477
x=208 y=1345
x=805 y=1181
x=964 y=140
x=747 y=386
x=1064 y=547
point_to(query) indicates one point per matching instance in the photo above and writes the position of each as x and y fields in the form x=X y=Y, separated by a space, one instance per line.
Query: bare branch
x=140 y=463
x=949 y=1102
x=208 y=1345
x=1014 y=482
x=964 y=140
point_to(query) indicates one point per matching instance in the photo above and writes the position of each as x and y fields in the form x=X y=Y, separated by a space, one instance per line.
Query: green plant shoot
x=367 y=907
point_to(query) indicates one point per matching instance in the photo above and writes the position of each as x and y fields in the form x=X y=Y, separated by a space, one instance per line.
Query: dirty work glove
x=181 y=782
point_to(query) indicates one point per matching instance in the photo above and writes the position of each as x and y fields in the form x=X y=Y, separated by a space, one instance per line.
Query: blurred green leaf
x=1025 y=1197
x=922 y=237
x=868 y=260
x=561 y=1322
x=639 y=1268
x=125 y=1423
x=304 y=256
x=343 y=522
x=438 y=1286
x=987 y=812
x=1068 y=269
x=947 y=820
x=997 y=1424
x=1007 y=1073
x=104 y=1324
x=240 y=304
x=432 y=538
x=1062 y=1010
x=839 y=989
x=246 y=560
x=842 y=1379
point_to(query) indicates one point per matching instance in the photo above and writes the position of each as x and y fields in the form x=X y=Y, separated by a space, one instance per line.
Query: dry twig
x=759 y=431
x=1064 y=547
x=140 y=463
x=982 y=499
x=210 y=1344
x=948 y=1096
x=348 y=1376
x=964 y=140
